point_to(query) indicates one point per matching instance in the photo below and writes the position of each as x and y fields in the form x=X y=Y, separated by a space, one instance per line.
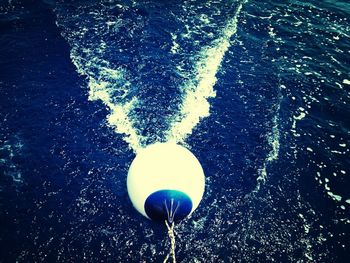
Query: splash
x=197 y=92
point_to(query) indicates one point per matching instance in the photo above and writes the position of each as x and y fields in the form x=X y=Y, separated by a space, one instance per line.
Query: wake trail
x=112 y=83
x=195 y=105
x=91 y=49
x=105 y=87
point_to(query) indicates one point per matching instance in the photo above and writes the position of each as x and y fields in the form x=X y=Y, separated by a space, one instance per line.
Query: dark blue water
x=259 y=91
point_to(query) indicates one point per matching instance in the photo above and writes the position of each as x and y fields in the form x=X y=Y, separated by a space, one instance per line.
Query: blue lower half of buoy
x=171 y=205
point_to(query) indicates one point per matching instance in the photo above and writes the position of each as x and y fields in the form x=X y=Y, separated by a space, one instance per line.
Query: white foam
x=105 y=81
x=339 y=85
x=346 y=81
x=103 y=86
x=274 y=142
x=334 y=196
x=300 y=116
x=195 y=105
x=175 y=46
x=11 y=148
x=271 y=32
x=119 y=112
x=337 y=152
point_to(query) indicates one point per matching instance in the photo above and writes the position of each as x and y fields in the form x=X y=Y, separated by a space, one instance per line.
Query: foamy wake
x=195 y=105
x=111 y=87
x=273 y=139
x=274 y=142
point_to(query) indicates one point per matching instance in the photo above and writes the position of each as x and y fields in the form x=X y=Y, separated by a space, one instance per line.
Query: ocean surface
x=259 y=91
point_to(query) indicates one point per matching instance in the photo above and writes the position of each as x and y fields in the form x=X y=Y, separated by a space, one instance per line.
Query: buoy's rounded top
x=165 y=178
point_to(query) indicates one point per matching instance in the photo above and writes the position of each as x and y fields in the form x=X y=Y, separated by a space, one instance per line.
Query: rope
x=171 y=234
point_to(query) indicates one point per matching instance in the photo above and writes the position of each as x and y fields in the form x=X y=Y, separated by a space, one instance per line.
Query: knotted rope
x=171 y=234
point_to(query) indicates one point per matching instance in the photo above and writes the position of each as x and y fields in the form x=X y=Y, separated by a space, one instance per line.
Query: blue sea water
x=259 y=91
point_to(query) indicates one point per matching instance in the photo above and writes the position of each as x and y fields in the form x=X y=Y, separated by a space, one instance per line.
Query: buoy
x=165 y=182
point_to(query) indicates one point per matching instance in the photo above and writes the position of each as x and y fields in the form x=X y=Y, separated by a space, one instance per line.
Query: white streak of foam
x=274 y=142
x=346 y=81
x=102 y=87
x=195 y=104
x=118 y=117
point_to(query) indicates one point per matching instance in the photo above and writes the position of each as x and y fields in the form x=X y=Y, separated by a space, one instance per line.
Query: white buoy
x=165 y=182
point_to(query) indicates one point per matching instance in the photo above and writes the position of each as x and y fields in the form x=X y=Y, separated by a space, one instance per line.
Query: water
x=259 y=91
